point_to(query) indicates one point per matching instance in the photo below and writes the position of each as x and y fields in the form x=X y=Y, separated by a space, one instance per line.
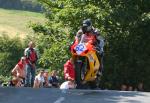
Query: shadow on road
x=109 y=96
x=49 y=95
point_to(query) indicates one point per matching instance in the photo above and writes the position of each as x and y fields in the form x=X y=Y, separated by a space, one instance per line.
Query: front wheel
x=80 y=72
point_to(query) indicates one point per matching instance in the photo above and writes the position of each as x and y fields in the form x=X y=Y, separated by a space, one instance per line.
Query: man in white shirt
x=39 y=80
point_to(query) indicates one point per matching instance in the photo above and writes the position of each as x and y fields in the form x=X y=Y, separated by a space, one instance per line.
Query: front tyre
x=78 y=74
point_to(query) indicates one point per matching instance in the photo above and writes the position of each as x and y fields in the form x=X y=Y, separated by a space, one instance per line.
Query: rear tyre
x=96 y=83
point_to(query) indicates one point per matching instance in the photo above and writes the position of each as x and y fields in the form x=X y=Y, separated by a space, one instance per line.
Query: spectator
x=31 y=58
x=69 y=71
x=46 y=81
x=19 y=70
x=140 y=87
x=15 y=82
x=69 y=75
x=68 y=85
x=54 y=79
x=130 y=88
x=123 y=87
x=39 y=80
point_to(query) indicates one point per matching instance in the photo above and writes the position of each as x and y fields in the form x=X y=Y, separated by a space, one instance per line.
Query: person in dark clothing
x=53 y=79
x=15 y=82
x=93 y=34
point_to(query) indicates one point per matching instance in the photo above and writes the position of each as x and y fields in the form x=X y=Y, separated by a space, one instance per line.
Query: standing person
x=19 y=70
x=31 y=59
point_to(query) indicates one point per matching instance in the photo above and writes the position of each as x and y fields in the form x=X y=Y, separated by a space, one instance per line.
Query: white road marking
x=59 y=100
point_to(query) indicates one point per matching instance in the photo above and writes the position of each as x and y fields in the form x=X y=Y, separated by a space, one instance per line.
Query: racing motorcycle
x=87 y=63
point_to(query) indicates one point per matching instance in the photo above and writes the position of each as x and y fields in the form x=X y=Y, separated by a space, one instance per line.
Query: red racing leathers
x=69 y=71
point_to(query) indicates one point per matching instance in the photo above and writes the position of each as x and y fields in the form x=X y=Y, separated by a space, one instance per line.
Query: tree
x=65 y=18
x=10 y=52
x=124 y=24
x=127 y=27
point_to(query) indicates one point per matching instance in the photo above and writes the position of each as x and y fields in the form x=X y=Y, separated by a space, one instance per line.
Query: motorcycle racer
x=93 y=35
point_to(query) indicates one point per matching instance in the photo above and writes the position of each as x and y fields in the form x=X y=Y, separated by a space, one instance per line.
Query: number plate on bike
x=80 y=48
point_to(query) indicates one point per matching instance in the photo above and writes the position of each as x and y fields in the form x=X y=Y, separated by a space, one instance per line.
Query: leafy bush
x=10 y=52
x=4 y=79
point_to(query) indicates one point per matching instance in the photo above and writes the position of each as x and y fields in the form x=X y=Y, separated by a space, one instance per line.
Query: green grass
x=15 y=22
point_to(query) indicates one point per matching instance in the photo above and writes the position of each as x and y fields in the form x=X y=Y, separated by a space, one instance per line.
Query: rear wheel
x=96 y=83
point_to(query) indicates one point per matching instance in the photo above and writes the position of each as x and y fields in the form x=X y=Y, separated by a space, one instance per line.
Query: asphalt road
x=48 y=95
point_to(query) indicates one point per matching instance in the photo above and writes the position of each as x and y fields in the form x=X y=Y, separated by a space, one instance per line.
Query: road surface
x=49 y=95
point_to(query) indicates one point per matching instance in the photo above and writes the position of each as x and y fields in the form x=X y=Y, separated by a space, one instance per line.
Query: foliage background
x=125 y=25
